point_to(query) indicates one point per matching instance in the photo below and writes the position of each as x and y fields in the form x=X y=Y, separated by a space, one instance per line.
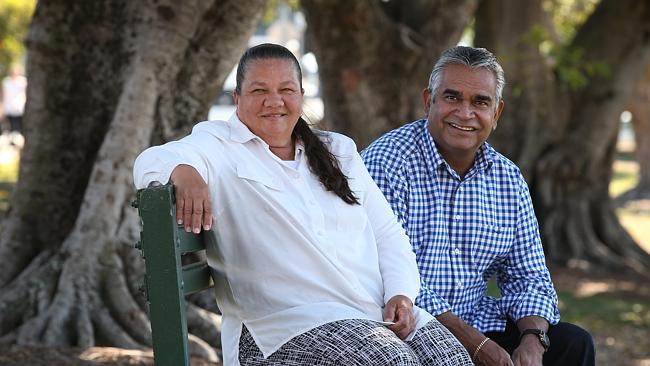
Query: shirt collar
x=484 y=157
x=239 y=132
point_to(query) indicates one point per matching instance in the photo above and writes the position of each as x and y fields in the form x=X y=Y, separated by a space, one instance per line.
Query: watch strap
x=541 y=336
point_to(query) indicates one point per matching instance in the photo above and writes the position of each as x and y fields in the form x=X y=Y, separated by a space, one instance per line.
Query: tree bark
x=568 y=142
x=106 y=79
x=374 y=60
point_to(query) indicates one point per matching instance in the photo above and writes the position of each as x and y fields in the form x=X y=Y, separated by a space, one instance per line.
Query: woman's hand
x=193 y=207
x=399 y=309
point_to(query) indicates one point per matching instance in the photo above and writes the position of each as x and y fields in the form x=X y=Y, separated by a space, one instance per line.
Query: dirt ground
x=621 y=345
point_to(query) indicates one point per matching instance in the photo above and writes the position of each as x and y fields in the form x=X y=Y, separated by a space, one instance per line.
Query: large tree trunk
x=374 y=60
x=566 y=137
x=639 y=106
x=104 y=75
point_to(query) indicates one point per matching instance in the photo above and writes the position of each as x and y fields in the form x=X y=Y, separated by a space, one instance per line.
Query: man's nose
x=465 y=110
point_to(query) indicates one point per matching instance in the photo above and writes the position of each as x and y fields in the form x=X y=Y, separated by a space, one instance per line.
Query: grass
x=8 y=166
x=601 y=311
x=624 y=177
x=9 y=161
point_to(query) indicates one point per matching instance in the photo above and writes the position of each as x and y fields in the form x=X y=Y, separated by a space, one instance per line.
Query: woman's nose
x=273 y=100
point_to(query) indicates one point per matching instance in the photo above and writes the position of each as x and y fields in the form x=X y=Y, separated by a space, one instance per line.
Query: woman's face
x=270 y=102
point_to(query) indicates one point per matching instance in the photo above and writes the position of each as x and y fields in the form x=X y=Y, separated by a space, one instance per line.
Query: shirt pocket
x=258 y=176
x=491 y=243
x=351 y=217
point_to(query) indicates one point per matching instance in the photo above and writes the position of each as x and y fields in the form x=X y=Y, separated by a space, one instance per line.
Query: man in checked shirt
x=469 y=216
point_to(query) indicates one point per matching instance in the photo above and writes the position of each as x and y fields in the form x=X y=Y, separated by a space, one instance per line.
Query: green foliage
x=604 y=310
x=568 y=15
x=15 y=16
x=574 y=71
x=270 y=12
x=553 y=40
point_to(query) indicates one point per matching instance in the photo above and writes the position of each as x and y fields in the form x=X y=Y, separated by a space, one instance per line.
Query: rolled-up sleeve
x=524 y=280
x=156 y=163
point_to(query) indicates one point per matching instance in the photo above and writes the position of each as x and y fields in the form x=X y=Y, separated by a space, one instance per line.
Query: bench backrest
x=167 y=281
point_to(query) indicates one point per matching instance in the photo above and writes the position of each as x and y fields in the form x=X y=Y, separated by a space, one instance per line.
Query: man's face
x=463 y=112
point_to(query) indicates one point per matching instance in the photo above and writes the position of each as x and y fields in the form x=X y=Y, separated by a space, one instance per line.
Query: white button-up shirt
x=290 y=255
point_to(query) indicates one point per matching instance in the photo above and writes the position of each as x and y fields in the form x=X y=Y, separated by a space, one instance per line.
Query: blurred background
x=86 y=86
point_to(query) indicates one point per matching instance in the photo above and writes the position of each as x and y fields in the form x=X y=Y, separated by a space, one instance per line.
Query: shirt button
x=457 y=217
x=311 y=203
x=459 y=284
x=457 y=251
x=319 y=233
x=295 y=175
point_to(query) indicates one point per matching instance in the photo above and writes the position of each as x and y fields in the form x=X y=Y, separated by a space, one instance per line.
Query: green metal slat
x=196 y=277
x=189 y=242
x=164 y=289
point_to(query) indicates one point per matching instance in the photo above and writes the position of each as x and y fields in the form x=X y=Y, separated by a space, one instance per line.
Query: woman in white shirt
x=313 y=266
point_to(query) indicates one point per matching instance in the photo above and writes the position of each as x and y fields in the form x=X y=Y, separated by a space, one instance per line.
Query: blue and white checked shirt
x=464 y=231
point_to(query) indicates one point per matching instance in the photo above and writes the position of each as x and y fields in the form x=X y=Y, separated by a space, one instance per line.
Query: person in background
x=469 y=215
x=314 y=267
x=14 y=88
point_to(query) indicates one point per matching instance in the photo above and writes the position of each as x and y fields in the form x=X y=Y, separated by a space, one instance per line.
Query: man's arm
x=524 y=279
x=528 y=295
x=482 y=352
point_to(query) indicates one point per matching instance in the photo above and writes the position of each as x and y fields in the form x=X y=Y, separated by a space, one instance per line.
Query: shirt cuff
x=535 y=304
x=432 y=303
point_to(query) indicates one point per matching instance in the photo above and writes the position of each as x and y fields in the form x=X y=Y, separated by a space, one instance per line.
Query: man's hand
x=399 y=309
x=529 y=353
x=193 y=207
x=491 y=354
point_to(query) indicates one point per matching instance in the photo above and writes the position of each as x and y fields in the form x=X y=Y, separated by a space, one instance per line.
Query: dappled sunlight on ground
x=634 y=215
x=615 y=308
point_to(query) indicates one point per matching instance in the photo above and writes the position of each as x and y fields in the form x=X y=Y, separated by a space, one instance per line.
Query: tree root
x=123 y=306
x=204 y=324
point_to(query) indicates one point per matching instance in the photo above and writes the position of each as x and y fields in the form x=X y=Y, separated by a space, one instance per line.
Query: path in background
x=634 y=215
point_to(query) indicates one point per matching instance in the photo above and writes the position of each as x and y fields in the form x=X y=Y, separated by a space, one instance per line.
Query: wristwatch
x=541 y=335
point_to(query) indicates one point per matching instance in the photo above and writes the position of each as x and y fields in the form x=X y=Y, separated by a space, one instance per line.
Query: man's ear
x=427 y=100
x=497 y=114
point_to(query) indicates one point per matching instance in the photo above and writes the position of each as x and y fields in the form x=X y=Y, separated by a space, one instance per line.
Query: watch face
x=544 y=339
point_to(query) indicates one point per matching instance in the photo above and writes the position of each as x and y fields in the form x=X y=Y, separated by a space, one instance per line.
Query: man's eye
x=257 y=91
x=451 y=97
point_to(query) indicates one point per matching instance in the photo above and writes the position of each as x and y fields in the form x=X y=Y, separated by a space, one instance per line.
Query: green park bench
x=167 y=281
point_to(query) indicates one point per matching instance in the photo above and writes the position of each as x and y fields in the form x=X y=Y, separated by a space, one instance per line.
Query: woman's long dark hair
x=321 y=161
